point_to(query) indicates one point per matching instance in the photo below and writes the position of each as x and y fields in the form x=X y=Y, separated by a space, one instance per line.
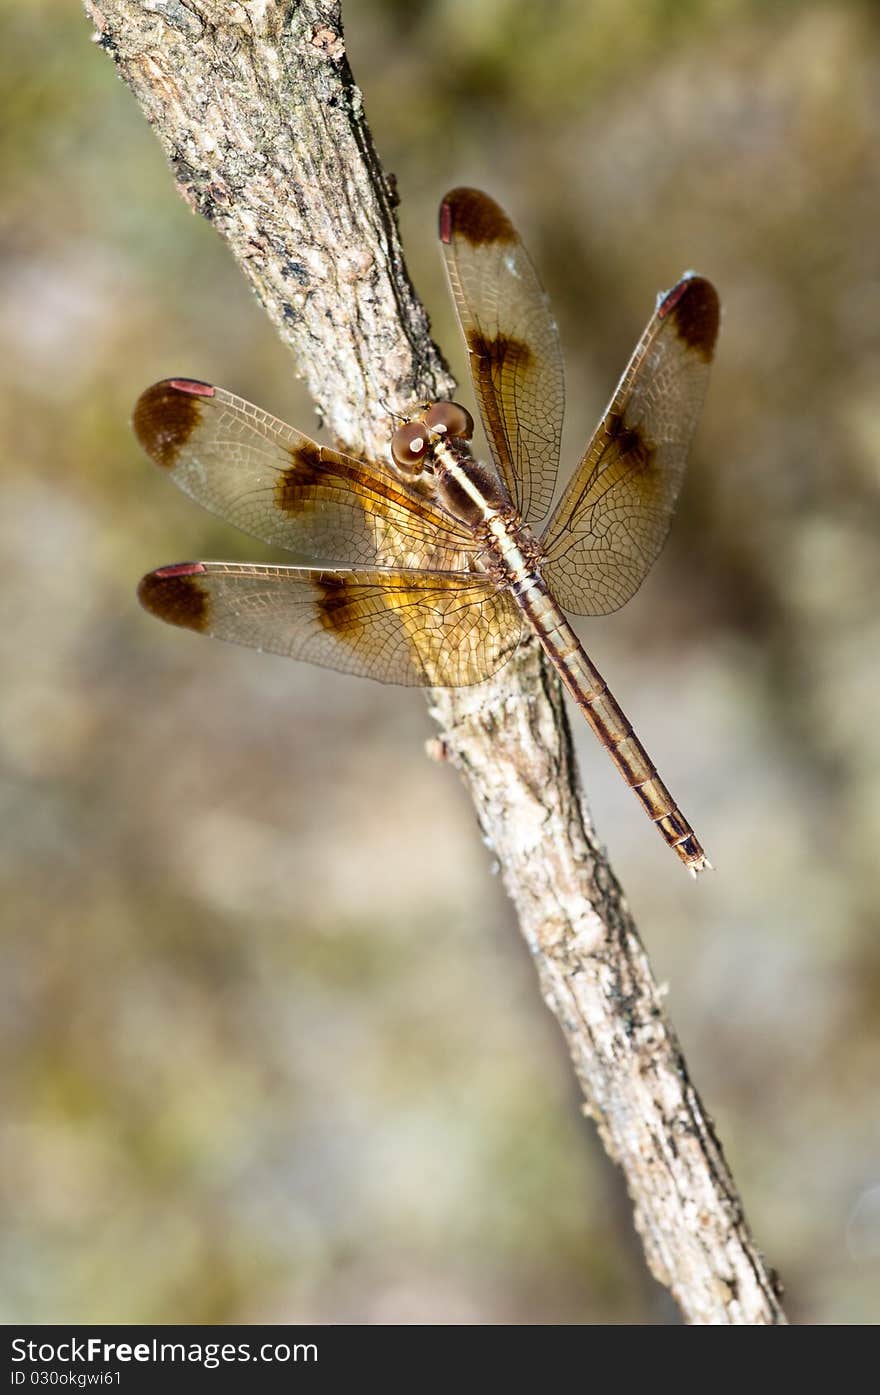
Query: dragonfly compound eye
x=450 y=418
x=409 y=445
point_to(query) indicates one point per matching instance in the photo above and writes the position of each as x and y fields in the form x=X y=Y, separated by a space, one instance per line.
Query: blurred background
x=272 y=1046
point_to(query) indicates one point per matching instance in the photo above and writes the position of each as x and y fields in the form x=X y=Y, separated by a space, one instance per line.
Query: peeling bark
x=263 y=126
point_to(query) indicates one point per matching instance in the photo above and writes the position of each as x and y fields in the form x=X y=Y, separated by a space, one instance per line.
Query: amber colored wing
x=515 y=358
x=614 y=517
x=276 y=484
x=442 y=630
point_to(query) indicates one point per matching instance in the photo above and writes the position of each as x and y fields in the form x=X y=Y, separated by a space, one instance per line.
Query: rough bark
x=264 y=129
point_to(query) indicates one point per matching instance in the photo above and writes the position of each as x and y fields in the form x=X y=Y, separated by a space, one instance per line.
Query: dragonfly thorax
x=430 y=446
x=464 y=488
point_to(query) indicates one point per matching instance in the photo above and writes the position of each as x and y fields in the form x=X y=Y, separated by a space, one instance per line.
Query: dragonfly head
x=428 y=423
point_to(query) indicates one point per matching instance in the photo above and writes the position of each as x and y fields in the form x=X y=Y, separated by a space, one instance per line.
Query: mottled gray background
x=273 y=1049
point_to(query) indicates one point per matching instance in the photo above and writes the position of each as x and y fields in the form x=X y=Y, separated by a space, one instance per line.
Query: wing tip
x=166 y=415
x=173 y=594
x=694 y=308
x=474 y=216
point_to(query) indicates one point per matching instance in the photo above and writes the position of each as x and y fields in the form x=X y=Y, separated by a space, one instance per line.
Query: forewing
x=276 y=484
x=513 y=342
x=614 y=517
x=437 y=630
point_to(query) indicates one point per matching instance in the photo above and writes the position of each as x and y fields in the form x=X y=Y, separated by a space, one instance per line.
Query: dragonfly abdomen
x=608 y=720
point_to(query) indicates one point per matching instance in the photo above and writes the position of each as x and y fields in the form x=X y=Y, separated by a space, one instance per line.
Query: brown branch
x=258 y=113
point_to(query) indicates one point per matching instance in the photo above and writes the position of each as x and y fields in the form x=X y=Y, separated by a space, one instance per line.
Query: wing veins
x=629 y=476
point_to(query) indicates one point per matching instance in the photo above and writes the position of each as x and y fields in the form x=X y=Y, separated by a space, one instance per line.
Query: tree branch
x=257 y=110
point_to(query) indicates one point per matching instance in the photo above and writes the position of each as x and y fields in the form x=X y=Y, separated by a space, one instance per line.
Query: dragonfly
x=428 y=568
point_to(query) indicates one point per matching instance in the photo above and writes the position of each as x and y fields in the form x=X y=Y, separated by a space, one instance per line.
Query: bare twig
x=258 y=113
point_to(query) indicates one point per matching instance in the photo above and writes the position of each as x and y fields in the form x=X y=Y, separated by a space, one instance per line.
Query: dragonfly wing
x=513 y=342
x=276 y=484
x=614 y=517
x=415 y=628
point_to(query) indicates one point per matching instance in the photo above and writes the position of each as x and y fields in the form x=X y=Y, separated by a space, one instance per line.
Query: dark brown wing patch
x=166 y=416
x=632 y=442
x=304 y=472
x=174 y=594
x=502 y=351
x=336 y=606
x=475 y=217
x=694 y=307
